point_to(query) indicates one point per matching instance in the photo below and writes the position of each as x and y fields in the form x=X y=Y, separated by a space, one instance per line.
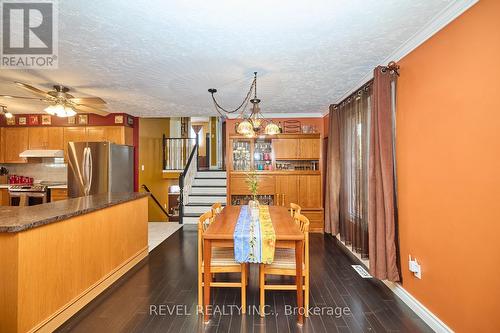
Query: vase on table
x=253 y=205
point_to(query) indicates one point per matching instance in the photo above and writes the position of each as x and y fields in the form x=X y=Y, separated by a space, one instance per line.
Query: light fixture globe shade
x=272 y=129
x=69 y=112
x=245 y=127
x=50 y=110
x=8 y=115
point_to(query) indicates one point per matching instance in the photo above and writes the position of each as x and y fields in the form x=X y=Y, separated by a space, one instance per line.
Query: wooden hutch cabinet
x=288 y=169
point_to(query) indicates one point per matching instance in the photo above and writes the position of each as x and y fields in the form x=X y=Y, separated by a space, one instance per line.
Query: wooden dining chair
x=216 y=208
x=222 y=262
x=294 y=208
x=284 y=264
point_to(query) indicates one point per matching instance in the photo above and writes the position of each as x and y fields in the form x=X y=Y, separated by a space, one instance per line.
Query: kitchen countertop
x=16 y=219
x=4 y=186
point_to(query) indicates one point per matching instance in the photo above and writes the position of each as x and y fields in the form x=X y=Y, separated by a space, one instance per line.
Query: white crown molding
x=285 y=115
x=441 y=20
x=425 y=314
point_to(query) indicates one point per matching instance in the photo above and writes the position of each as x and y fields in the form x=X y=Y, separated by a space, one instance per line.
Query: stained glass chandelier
x=252 y=122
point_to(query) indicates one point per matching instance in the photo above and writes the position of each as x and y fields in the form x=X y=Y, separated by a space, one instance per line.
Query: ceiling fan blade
x=87 y=100
x=32 y=89
x=21 y=97
x=90 y=109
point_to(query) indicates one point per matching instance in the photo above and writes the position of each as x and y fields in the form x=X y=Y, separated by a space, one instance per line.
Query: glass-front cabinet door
x=262 y=155
x=242 y=155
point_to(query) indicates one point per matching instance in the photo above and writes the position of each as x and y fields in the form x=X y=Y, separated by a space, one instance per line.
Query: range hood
x=42 y=153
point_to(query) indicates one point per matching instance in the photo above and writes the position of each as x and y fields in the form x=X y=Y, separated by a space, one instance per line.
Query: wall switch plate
x=414 y=267
x=142 y=167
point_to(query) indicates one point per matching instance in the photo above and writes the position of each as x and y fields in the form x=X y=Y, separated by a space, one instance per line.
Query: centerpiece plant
x=253 y=187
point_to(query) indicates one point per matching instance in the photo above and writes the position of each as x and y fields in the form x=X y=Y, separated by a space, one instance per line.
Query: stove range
x=28 y=188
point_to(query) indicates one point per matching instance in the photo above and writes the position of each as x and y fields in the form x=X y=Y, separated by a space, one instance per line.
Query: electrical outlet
x=414 y=267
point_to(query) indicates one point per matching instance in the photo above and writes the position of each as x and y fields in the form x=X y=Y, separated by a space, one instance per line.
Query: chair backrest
x=205 y=220
x=216 y=208
x=303 y=223
x=294 y=208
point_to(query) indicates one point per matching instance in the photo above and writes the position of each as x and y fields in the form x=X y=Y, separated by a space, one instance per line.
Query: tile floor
x=159 y=231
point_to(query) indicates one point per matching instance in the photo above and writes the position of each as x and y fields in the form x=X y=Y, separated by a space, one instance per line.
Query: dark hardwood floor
x=168 y=278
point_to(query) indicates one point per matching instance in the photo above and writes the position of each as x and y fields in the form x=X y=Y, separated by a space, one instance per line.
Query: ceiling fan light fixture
x=70 y=112
x=6 y=113
x=50 y=110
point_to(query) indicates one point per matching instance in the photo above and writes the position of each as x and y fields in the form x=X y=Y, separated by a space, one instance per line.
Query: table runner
x=254 y=238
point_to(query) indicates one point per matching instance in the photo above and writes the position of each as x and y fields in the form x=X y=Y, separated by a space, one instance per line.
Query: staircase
x=208 y=188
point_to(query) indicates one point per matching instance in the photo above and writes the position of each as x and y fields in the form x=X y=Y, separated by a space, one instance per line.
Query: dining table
x=220 y=233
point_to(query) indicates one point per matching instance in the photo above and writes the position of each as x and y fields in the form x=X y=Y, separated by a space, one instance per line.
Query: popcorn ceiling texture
x=158 y=59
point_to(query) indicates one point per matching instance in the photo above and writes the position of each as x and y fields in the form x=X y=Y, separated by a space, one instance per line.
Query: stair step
x=201 y=204
x=206 y=199
x=219 y=190
x=195 y=209
x=211 y=174
x=210 y=182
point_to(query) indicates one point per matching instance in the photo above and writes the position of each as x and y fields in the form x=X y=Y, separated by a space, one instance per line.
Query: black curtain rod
x=364 y=86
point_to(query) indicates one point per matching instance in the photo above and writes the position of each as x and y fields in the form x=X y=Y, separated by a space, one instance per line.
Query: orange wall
x=448 y=164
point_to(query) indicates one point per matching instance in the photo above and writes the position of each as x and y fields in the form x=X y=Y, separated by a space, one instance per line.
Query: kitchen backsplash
x=47 y=171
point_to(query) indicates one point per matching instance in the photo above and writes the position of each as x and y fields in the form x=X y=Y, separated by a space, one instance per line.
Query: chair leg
x=200 y=289
x=306 y=301
x=248 y=272
x=244 y=274
x=262 y=291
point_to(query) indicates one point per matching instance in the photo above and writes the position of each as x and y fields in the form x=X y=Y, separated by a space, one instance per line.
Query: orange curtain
x=381 y=188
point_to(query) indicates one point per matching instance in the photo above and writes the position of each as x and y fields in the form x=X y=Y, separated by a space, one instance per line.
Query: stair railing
x=186 y=179
x=176 y=152
x=156 y=200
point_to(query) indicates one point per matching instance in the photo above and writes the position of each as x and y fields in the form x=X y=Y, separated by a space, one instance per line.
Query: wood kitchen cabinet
x=291 y=149
x=310 y=191
x=115 y=134
x=239 y=185
x=4 y=197
x=285 y=148
x=57 y=194
x=73 y=134
x=45 y=138
x=15 y=142
x=287 y=190
x=309 y=149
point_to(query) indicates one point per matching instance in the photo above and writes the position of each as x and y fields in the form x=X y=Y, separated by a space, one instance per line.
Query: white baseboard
x=425 y=314
x=420 y=310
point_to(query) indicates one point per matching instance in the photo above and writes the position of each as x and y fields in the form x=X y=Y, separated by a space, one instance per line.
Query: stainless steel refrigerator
x=99 y=167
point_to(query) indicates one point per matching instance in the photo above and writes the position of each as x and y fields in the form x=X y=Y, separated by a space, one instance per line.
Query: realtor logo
x=29 y=34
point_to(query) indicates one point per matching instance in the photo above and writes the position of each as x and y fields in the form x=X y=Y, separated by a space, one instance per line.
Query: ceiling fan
x=61 y=103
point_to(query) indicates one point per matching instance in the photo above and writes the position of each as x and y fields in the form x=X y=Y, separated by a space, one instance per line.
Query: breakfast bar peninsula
x=57 y=257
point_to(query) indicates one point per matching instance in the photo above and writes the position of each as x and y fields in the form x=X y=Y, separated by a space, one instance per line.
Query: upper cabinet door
x=38 y=137
x=55 y=138
x=115 y=134
x=16 y=141
x=285 y=148
x=96 y=134
x=73 y=134
x=309 y=149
